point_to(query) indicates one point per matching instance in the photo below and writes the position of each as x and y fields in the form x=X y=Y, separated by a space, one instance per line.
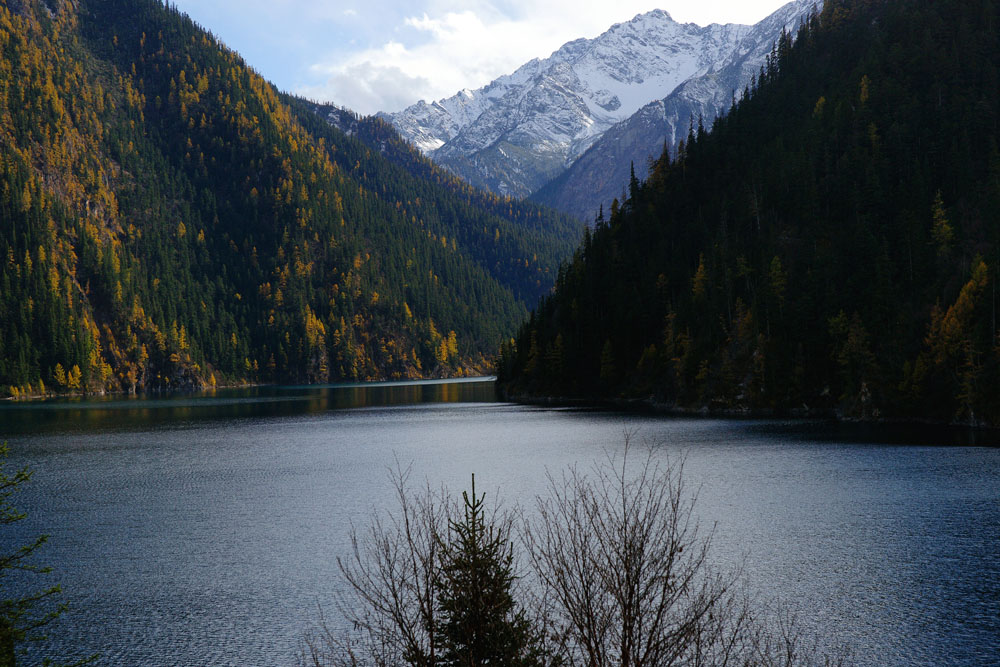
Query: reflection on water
x=904 y=434
x=118 y=412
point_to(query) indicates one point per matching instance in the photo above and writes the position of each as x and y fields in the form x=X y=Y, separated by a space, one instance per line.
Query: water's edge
x=964 y=433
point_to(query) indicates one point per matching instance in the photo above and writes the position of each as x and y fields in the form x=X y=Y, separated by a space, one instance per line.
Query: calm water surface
x=204 y=530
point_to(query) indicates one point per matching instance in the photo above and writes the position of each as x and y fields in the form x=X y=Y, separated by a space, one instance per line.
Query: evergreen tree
x=480 y=622
x=831 y=242
x=21 y=617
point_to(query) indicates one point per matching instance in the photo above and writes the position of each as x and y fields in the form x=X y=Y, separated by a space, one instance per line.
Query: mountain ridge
x=599 y=175
x=531 y=123
x=525 y=129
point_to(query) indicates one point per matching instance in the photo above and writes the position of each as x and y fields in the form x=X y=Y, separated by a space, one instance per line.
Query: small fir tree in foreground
x=480 y=622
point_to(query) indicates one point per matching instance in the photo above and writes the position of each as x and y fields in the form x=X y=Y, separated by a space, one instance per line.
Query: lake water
x=204 y=530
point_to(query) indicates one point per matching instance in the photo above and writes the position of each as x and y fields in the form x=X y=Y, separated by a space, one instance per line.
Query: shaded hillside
x=831 y=243
x=521 y=246
x=170 y=220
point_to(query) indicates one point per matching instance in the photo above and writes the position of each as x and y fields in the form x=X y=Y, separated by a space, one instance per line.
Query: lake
x=204 y=530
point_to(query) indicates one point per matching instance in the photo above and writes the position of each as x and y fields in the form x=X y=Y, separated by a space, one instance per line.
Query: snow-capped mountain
x=600 y=174
x=524 y=129
x=518 y=132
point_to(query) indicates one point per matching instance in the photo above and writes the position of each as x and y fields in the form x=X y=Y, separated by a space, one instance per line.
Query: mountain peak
x=525 y=128
x=598 y=174
x=660 y=15
x=514 y=134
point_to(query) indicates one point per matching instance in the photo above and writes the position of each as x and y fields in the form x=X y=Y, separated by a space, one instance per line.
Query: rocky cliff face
x=569 y=126
x=600 y=174
x=523 y=129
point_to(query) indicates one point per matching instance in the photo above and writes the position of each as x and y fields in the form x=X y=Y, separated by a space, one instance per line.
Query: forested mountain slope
x=832 y=243
x=169 y=220
x=524 y=242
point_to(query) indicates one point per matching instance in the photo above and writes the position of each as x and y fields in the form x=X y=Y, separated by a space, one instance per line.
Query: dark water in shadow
x=129 y=412
x=204 y=530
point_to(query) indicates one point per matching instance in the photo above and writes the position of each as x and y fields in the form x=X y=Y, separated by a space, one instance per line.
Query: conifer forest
x=830 y=245
x=172 y=221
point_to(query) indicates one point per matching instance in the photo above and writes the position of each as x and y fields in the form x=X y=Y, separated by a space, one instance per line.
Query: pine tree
x=23 y=616
x=481 y=624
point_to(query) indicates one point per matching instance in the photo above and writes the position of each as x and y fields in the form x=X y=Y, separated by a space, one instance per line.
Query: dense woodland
x=831 y=244
x=169 y=220
x=521 y=249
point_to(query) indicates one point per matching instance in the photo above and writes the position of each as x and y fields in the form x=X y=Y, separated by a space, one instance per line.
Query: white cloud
x=367 y=88
x=453 y=45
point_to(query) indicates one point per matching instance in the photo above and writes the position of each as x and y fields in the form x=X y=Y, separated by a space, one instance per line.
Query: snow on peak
x=549 y=111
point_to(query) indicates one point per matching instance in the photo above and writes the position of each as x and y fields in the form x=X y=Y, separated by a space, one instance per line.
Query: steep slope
x=832 y=243
x=521 y=246
x=599 y=175
x=521 y=130
x=170 y=220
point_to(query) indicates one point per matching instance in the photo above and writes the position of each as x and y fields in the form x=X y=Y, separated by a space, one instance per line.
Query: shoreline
x=104 y=394
x=983 y=433
x=651 y=406
x=249 y=385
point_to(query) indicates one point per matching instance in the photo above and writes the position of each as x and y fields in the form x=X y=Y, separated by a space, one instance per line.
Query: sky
x=384 y=55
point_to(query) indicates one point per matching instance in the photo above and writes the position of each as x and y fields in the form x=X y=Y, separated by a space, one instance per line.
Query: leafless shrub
x=621 y=578
x=389 y=604
x=625 y=569
x=622 y=558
